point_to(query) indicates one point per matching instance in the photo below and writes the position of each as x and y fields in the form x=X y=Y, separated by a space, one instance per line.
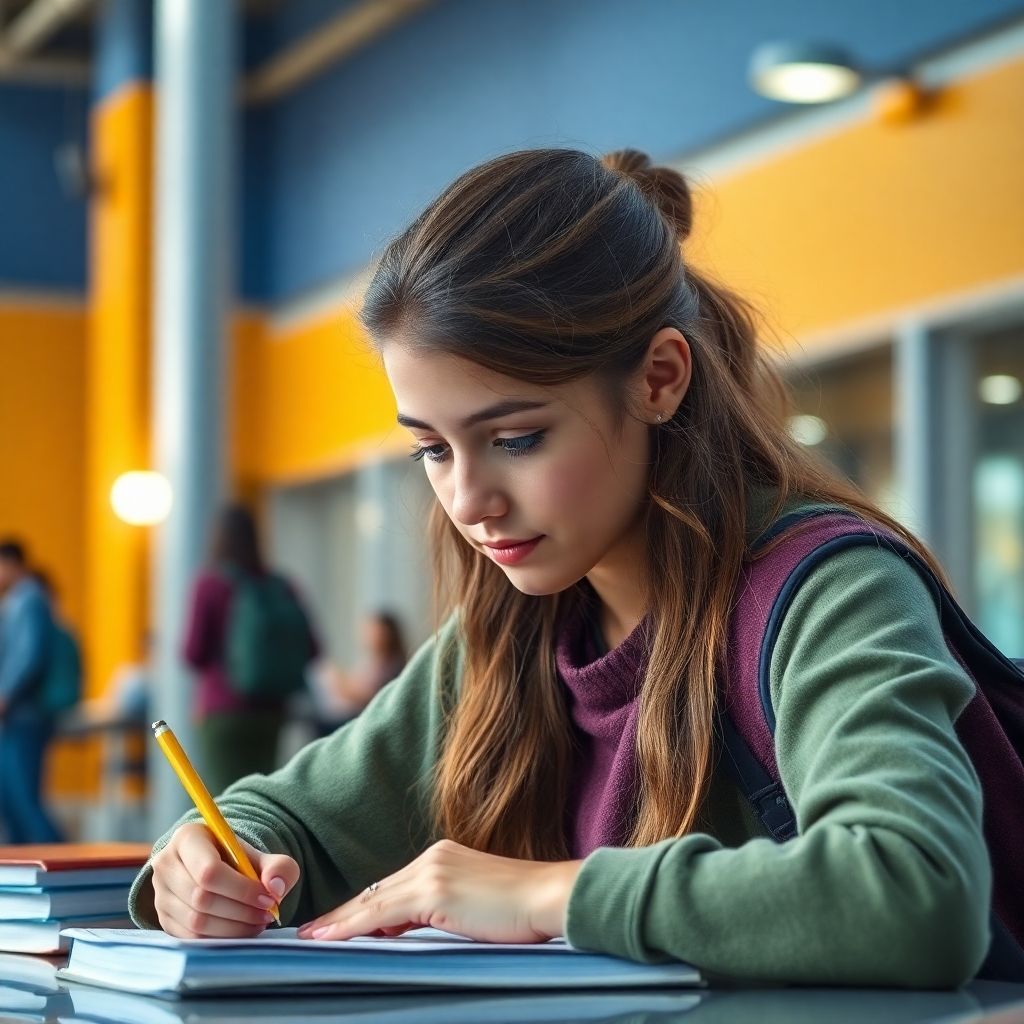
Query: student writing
x=604 y=440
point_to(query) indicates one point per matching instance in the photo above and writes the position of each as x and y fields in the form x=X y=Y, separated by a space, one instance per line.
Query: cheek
x=590 y=489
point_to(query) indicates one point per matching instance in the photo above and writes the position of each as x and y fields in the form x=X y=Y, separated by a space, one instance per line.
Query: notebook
x=157 y=963
x=45 y=936
x=55 y=865
x=420 y=1007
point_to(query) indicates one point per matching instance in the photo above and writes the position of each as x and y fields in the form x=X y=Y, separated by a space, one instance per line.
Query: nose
x=476 y=496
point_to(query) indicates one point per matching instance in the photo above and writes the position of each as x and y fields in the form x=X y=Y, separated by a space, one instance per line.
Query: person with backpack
x=29 y=641
x=598 y=742
x=250 y=639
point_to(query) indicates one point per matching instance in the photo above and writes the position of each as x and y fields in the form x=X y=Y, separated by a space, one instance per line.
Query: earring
x=659 y=417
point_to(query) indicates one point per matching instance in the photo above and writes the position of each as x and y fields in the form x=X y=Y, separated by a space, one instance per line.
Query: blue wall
x=42 y=228
x=345 y=161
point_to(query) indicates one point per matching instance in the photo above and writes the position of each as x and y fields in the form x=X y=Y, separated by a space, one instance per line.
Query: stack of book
x=44 y=889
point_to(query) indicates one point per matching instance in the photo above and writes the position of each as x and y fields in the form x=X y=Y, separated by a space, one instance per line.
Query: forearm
x=842 y=905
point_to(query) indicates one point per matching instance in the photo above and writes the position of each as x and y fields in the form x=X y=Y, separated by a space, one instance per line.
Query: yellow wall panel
x=872 y=218
x=877 y=216
x=118 y=382
x=310 y=400
x=42 y=409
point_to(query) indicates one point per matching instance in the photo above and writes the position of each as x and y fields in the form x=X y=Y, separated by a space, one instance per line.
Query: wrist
x=550 y=896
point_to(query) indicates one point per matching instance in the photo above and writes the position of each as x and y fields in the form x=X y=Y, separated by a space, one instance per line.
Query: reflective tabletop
x=30 y=990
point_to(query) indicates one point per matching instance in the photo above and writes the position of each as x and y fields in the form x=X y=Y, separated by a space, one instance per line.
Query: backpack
x=266 y=645
x=60 y=687
x=991 y=727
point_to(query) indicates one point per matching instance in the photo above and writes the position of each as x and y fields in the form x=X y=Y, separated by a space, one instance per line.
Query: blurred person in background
x=342 y=695
x=250 y=640
x=127 y=696
x=26 y=724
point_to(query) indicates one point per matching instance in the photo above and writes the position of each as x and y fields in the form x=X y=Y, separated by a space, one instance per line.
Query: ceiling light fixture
x=803 y=72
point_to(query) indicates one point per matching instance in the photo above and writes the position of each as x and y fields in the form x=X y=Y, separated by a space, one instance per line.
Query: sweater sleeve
x=350 y=808
x=888 y=881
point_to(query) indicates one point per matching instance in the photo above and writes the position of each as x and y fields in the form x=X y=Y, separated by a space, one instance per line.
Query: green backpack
x=267 y=644
x=60 y=688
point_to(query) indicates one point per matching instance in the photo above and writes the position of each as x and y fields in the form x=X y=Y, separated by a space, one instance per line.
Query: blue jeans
x=24 y=734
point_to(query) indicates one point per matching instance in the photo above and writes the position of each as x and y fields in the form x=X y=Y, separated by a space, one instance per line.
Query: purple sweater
x=603 y=693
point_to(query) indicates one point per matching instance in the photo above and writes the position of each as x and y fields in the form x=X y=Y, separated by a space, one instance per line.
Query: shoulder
x=31 y=599
x=211 y=584
x=862 y=613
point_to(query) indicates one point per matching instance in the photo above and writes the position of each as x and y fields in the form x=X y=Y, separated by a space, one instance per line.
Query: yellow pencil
x=200 y=796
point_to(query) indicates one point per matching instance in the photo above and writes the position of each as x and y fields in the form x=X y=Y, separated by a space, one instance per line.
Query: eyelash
x=513 y=446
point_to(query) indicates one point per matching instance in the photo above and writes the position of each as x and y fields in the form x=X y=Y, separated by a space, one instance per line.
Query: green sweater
x=888 y=882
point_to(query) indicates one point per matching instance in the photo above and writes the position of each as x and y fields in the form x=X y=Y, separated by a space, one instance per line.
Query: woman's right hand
x=197 y=894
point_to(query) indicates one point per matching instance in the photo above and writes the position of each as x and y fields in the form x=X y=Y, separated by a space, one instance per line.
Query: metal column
x=936 y=428
x=195 y=73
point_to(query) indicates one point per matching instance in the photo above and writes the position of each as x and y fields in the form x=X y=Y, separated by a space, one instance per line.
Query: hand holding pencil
x=208 y=883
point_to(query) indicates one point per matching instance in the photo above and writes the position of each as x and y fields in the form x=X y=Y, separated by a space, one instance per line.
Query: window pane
x=999 y=490
x=852 y=399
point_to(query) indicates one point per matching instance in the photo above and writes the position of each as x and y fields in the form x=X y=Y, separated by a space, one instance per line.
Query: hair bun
x=663 y=186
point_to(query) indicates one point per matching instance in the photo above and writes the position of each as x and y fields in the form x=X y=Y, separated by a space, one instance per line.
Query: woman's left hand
x=479 y=895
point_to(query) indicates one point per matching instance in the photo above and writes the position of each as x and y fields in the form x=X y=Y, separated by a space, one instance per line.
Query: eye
x=520 y=445
x=433 y=452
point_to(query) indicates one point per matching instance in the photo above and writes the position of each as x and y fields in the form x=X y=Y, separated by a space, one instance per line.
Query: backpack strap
x=768 y=584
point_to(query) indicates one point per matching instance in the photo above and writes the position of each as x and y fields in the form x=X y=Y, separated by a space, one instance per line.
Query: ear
x=665 y=375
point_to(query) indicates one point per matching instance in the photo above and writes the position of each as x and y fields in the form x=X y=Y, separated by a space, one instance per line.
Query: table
x=30 y=990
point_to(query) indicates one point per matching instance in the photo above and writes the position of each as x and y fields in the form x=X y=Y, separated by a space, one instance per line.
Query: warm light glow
x=141 y=498
x=807 y=83
x=999 y=389
x=808 y=430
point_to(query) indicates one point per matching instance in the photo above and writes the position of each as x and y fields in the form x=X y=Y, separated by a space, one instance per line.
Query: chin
x=539 y=584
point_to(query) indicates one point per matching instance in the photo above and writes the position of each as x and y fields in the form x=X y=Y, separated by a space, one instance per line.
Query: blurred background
x=194 y=192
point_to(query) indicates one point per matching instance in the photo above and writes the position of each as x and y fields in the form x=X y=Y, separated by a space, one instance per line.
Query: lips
x=500 y=544
x=509 y=552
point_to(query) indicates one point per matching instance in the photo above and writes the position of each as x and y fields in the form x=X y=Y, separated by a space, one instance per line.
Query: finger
x=277 y=872
x=203 y=862
x=180 y=884
x=183 y=922
x=387 y=884
x=396 y=907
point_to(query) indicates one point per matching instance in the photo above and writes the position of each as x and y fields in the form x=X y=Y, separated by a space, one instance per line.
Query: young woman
x=605 y=441
x=238 y=732
x=342 y=693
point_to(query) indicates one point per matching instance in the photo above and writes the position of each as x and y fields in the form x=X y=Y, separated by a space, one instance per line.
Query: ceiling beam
x=46 y=71
x=326 y=45
x=29 y=29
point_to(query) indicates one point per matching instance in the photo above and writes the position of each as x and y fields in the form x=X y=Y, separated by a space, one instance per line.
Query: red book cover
x=75 y=856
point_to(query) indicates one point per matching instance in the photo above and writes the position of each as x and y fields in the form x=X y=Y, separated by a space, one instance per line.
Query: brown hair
x=550 y=265
x=235 y=541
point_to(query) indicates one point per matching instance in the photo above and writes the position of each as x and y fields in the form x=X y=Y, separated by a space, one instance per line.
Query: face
x=375 y=636
x=9 y=572
x=541 y=480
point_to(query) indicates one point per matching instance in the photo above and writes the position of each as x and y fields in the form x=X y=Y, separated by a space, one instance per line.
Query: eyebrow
x=492 y=412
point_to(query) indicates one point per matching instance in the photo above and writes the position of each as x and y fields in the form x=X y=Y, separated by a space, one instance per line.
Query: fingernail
x=265 y=901
x=276 y=886
x=319 y=933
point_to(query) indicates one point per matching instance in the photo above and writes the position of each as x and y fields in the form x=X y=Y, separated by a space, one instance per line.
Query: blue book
x=34 y=903
x=276 y=961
